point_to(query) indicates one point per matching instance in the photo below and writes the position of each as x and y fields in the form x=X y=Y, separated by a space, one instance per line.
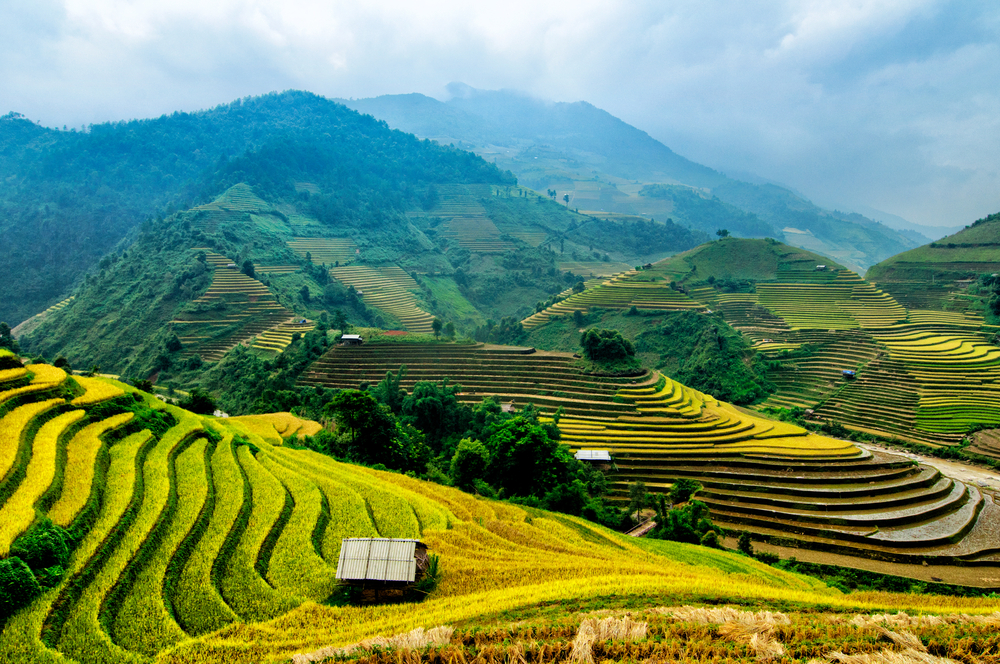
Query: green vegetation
x=707 y=354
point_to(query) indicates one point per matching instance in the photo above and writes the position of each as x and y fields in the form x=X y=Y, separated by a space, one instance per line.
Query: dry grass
x=605 y=629
x=908 y=656
x=408 y=641
x=753 y=628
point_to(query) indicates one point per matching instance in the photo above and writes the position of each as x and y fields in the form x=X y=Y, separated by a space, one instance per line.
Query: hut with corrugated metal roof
x=382 y=567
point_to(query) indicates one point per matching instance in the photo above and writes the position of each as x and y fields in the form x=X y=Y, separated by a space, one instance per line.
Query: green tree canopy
x=606 y=346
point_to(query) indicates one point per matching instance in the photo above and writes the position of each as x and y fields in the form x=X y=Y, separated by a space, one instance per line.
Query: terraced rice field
x=60 y=305
x=215 y=543
x=465 y=221
x=325 y=250
x=387 y=288
x=843 y=303
x=238 y=201
x=773 y=479
x=620 y=292
x=277 y=269
x=246 y=308
x=279 y=337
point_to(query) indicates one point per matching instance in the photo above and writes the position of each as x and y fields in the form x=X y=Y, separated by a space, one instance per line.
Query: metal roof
x=350 y=336
x=377 y=559
x=593 y=455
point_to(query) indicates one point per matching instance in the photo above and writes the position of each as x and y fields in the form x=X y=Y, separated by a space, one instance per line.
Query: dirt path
x=983 y=478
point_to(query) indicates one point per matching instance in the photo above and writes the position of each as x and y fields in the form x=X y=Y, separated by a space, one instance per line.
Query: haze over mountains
x=558 y=145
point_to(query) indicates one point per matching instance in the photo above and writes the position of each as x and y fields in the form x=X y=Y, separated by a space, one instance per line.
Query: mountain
x=937 y=275
x=602 y=165
x=328 y=213
x=67 y=198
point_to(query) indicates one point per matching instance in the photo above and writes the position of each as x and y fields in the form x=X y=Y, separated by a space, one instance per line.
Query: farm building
x=351 y=340
x=381 y=561
x=598 y=456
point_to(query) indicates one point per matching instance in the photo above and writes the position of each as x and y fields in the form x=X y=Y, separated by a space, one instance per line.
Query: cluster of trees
x=485 y=449
x=707 y=354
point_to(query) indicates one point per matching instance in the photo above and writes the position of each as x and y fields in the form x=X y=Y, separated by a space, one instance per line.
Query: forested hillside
x=68 y=197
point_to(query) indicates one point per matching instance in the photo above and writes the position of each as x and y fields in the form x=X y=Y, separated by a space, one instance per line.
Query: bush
x=682 y=490
x=745 y=544
x=43 y=546
x=18 y=586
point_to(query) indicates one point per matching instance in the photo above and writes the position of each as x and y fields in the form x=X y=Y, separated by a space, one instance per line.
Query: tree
x=376 y=436
x=304 y=292
x=449 y=330
x=340 y=321
x=606 y=346
x=745 y=544
x=436 y=325
x=682 y=490
x=390 y=392
x=248 y=267
x=566 y=198
x=722 y=232
x=199 y=402
x=524 y=459
x=469 y=463
x=434 y=408
x=7 y=339
x=636 y=497
x=579 y=287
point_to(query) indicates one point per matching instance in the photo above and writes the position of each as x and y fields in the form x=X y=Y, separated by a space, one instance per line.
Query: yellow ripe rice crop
x=349 y=515
x=295 y=565
x=197 y=602
x=273 y=427
x=86 y=637
x=12 y=429
x=247 y=594
x=97 y=390
x=142 y=620
x=83 y=637
x=7 y=375
x=19 y=511
x=81 y=454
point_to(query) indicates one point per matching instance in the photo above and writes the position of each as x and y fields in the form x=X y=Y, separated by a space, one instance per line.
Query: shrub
x=18 y=586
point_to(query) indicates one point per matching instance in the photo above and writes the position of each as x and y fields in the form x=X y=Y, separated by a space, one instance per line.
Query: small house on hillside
x=597 y=456
x=351 y=340
x=848 y=374
x=820 y=268
x=381 y=567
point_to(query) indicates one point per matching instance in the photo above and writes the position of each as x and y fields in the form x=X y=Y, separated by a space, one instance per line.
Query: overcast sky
x=891 y=104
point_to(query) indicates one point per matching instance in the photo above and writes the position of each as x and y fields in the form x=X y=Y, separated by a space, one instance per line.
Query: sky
x=889 y=105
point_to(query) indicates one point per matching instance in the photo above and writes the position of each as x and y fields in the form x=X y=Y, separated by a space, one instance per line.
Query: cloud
x=886 y=103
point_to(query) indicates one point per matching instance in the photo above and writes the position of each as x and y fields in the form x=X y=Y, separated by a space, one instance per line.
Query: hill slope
x=67 y=198
x=602 y=163
x=933 y=276
x=183 y=529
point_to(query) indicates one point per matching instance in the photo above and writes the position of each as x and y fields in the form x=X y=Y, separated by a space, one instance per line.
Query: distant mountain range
x=604 y=164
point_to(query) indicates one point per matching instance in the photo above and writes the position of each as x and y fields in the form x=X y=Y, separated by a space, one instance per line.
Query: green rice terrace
x=924 y=376
x=234 y=309
x=935 y=276
x=773 y=479
x=389 y=289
